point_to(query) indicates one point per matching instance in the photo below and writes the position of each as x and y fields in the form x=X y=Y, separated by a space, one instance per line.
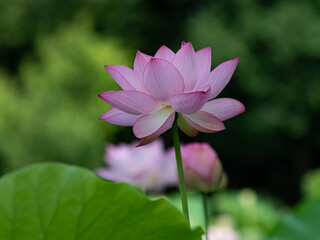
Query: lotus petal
x=162 y=80
x=131 y=101
x=203 y=57
x=185 y=61
x=185 y=127
x=221 y=75
x=154 y=124
x=126 y=78
x=189 y=103
x=165 y=53
x=224 y=108
x=118 y=117
x=204 y=122
x=140 y=63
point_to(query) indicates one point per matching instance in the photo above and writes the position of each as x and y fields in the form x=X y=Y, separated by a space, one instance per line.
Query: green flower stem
x=205 y=198
x=182 y=186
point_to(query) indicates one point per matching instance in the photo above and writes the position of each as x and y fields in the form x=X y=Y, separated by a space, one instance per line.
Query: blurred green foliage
x=302 y=222
x=311 y=184
x=196 y=212
x=254 y=215
x=278 y=74
x=23 y=20
x=135 y=23
x=50 y=109
x=278 y=71
x=277 y=79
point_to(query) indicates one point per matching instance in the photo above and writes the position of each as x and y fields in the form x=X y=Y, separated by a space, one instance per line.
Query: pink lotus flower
x=202 y=168
x=149 y=168
x=167 y=83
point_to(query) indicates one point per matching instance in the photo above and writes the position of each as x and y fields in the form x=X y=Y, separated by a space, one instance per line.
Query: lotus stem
x=182 y=185
x=205 y=198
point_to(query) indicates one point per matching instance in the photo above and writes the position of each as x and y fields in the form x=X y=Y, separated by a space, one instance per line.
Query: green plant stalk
x=205 y=198
x=182 y=186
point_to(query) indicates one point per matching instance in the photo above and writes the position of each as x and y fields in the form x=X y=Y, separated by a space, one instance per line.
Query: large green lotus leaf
x=57 y=201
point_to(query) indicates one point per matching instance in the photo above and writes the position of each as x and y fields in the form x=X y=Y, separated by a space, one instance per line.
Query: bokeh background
x=52 y=69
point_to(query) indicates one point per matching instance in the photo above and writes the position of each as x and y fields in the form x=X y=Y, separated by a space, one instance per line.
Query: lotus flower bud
x=223 y=182
x=202 y=168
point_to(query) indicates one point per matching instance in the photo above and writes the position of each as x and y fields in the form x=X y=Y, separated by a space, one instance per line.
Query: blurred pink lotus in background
x=167 y=83
x=202 y=168
x=149 y=168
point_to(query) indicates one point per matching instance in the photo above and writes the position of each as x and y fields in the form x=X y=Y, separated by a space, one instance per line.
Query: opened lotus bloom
x=159 y=86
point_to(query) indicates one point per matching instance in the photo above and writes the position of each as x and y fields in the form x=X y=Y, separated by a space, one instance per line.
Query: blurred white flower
x=223 y=229
x=223 y=232
x=148 y=167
